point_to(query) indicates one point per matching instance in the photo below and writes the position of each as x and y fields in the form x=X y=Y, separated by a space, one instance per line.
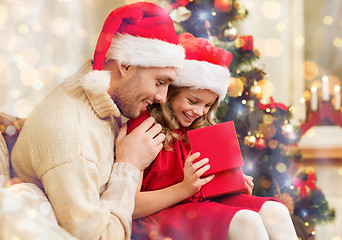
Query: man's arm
x=73 y=190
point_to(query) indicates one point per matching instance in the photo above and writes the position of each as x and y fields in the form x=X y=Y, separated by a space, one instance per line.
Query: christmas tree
x=266 y=134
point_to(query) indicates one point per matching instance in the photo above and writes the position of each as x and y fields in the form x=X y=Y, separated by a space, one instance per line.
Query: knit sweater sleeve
x=81 y=211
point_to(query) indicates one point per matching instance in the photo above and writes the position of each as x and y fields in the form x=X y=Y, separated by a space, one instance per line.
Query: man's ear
x=123 y=69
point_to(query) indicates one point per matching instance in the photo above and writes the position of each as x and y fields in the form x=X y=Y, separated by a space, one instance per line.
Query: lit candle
x=302 y=109
x=325 y=88
x=337 y=97
x=314 y=100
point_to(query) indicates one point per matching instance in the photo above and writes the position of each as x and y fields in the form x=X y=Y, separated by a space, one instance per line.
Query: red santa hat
x=205 y=66
x=140 y=34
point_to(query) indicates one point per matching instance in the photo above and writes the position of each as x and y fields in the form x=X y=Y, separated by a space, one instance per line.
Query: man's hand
x=249 y=184
x=141 y=146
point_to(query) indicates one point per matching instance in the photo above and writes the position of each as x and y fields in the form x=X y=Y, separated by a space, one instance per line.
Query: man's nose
x=161 y=95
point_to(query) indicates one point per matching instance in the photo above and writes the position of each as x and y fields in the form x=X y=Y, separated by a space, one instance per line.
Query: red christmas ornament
x=260 y=144
x=223 y=5
x=245 y=43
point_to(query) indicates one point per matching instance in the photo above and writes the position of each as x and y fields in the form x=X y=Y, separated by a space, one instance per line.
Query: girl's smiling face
x=190 y=104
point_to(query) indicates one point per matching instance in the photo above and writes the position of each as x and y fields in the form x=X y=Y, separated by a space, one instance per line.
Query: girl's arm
x=147 y=203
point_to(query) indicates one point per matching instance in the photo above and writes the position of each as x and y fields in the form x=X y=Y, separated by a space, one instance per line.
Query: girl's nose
x=199 y=111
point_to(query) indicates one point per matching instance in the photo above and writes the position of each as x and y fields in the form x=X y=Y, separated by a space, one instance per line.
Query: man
x=71 y=146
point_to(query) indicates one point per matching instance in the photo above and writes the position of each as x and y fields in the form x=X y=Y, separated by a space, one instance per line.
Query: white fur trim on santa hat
x=204 y=75
x=96 y=82
x=145 y=52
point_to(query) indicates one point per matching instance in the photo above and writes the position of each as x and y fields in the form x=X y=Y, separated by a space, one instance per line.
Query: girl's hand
x=193 y=171
x=249 y=184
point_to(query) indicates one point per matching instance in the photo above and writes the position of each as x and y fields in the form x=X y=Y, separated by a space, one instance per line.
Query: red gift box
x=220 y=145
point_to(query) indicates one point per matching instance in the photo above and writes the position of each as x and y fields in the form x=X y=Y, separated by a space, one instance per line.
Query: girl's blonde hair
x=165 y=117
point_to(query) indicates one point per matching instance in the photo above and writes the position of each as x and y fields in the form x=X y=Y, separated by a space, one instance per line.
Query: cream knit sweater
x=66 y=147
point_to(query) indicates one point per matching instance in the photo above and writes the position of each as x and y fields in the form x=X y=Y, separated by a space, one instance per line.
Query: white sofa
x=25 y=212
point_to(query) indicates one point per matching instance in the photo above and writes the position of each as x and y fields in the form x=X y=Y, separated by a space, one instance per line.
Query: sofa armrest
x=10 y=127
x=5 y=174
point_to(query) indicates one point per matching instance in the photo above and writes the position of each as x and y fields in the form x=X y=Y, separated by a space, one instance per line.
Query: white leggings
x=272 y=222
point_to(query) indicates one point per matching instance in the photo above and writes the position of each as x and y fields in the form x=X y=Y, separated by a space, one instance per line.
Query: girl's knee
x=273 y=207
x=247 y=217
x=248 y=225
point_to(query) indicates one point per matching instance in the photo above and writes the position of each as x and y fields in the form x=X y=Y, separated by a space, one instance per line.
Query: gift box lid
x=219 y=144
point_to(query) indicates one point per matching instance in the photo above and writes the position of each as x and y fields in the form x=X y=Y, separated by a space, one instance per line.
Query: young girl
x=168 y=205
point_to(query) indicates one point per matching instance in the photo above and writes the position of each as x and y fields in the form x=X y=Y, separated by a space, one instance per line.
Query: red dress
x=192 y=218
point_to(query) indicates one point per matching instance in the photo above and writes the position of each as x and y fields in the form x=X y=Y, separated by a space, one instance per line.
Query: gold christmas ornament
x=250 y=141
x=266 y=88
x=235 y=88
x=268 y=130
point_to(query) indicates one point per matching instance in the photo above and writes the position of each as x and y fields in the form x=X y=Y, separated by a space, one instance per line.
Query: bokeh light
x=272 y=144
x=280 y=27
x=83 y=33
x=281 y=167
x=337 y=42
x=37 y=27
x=271 y=9
x=15 y=93
x=23 y=107
x=273 y=47
x=236 y=87
x=333 y=81
x=249 y=4
x=268 y=130
x=153 y=234
x=46 y=75
x=268 y=119
x=265 y=184
x=38 y=85
x=23 y=29
x=30 y=56
x=310 y=170
x=340 y=171
x=29 y=76
x=20 y=10
x=310 y=70
x=60 y=26
x=3 y=14
x=266 y=88
x=306 y=96
x=328 y=20
x=11 y=130
x=311 y=133
x=300 y=40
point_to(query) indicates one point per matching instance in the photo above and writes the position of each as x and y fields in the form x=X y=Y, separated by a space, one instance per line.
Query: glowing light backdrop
x=41 y=43
x=44 y=41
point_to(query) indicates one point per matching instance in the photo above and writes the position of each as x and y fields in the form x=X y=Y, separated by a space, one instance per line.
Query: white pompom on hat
x=205 y=66
x=140 y=34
